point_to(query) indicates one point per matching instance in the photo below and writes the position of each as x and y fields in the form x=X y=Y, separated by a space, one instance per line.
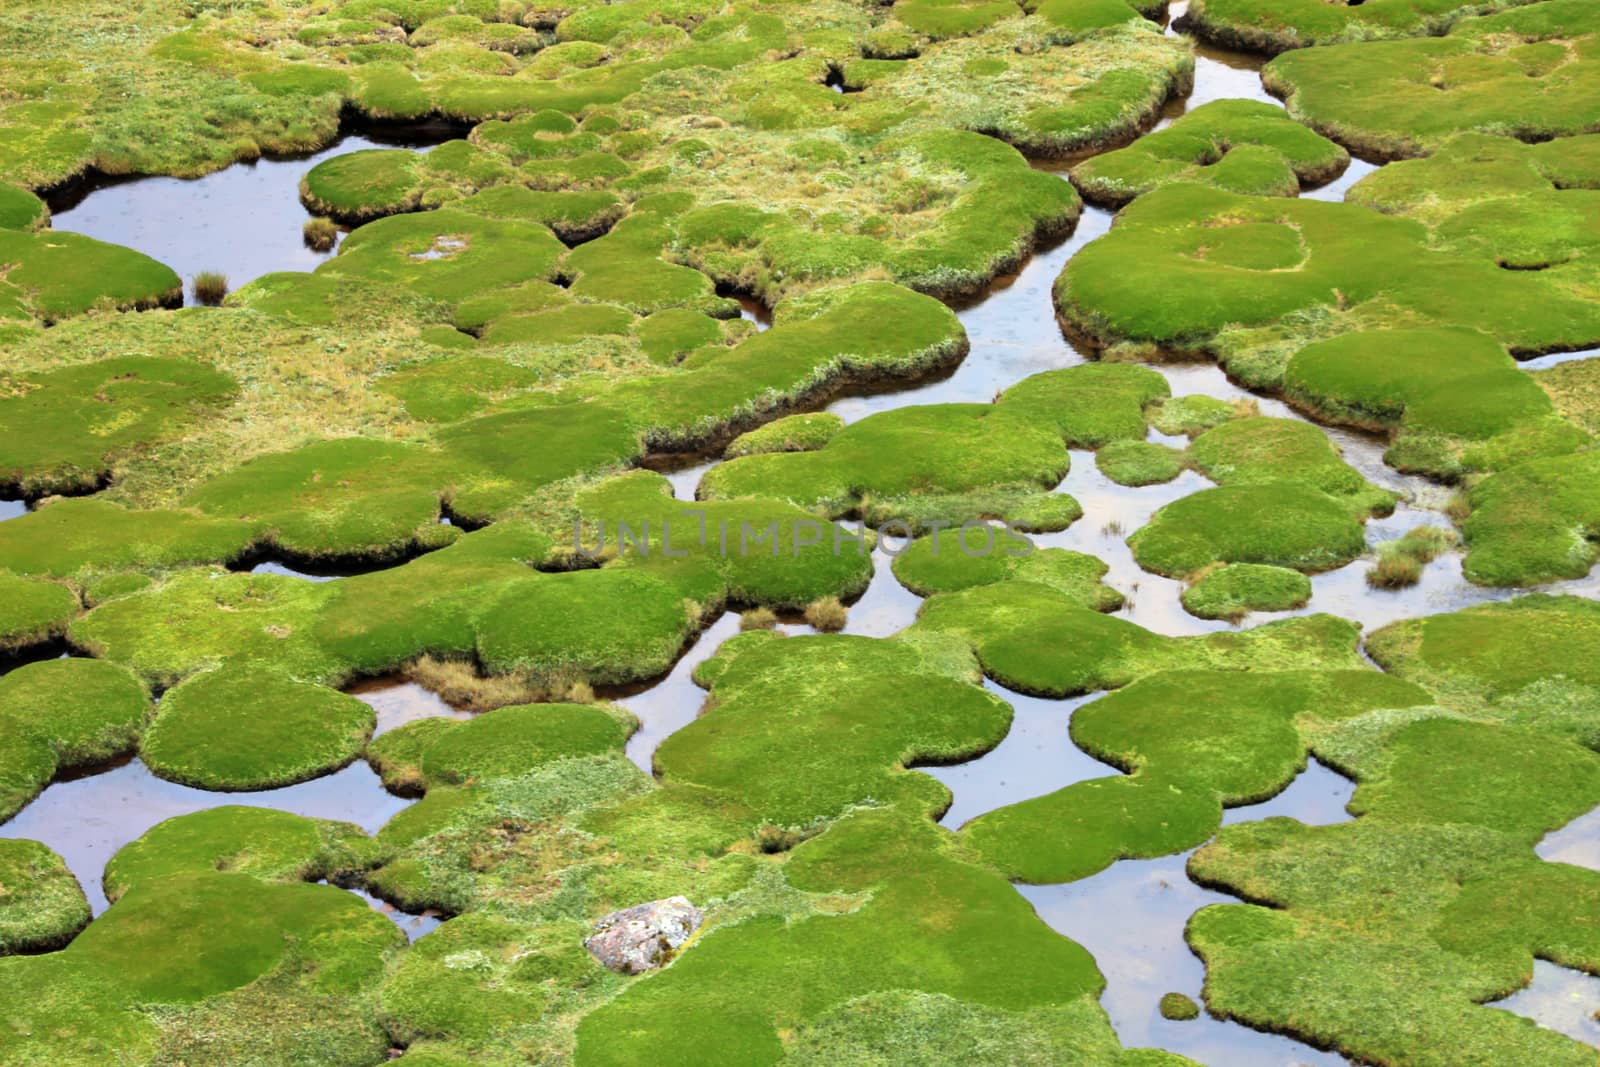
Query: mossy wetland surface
x=1262 y=333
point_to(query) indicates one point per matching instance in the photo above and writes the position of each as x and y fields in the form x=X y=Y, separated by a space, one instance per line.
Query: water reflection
x=1559 y=999
x=1036 y=758
x=243 y=220
x=86 y=820
x=1012 y=331
x=398 y=702
x=12 y=509
x=1577 y=843
x=672 y=703
x=1131 y=918
x=412 y=924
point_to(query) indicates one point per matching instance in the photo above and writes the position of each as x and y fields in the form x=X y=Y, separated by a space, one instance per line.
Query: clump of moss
x=1244 y=146
x=42 y=906
x=209 y=287
x=795 y=433
x=828 y=614
x=1138 y=463
x=239 y=728
x=1234 y=590
x=1178 y=1007
x=1400 y=562
x=320 y=234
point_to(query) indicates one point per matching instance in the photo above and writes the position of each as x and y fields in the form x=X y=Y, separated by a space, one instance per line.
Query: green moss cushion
x=244 y=729
x=42 y=906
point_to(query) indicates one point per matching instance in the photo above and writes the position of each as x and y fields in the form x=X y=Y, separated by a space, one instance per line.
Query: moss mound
x=505 y=743
x=1139 y=463
x=64 y=431
x=1243 y=146
x=272 y=845
x=1279 y=525
x=33 y=611
x=57 y=275
x=902 y=703
x=1236 y=589
x=42 y=906
x=1487 y=74
x=952 y=560
x=288 y=955
x=1191 y=742
x=243 y=729
x=795 y=433
x=61 y=714
x=1277 y=26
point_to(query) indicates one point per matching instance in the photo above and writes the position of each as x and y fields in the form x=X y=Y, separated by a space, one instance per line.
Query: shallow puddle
x=12 y=509
x=86 y=820
x=1131 y=918
x=412 y=924
x=398 y=702
x=1577 y=843
x=1012 y=331
x=1559 y=999
x=242 y=221
x=1036 y=758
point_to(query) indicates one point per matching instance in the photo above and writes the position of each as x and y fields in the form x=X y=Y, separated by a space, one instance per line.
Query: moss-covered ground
x=457 y=418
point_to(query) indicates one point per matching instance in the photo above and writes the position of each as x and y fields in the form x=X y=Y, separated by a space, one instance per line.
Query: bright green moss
x=446 y=255
x=32 y=611
x=294 y=955
x=952 y=560
x=1243 y=146
x=1035 y=639
x=272 y=845
x=1278 y=25
x=1495 y=650
x=1189 y=415
x=806 y=968
x=1235 y=590
x=1447 y=396
x=20 y=209
x=670 y=335
x=65 y=430
x=1416 y=94
x=204 y=619
x=58 y=275
x=63 y=714
x=574 y=215
x=1262 y=451
x=522 y=979
x=239 y=729
x=349 y=497
x=1212 y=266
x=796 y=433
x=513 y=741
x=42 y=906
x=1191 y=743
x=562 y=325
x=1139 y=463
x=376 y=182
x=1534 y=522
x=854 y=711
x=72 y=536
x=1280 y=524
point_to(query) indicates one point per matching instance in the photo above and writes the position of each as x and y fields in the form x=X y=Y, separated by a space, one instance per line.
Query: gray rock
x=645 y=936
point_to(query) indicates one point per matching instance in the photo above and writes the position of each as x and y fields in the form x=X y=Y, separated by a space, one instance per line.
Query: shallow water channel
x=245 y=221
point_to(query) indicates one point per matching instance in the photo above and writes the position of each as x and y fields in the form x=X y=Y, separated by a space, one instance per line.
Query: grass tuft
x=320 y=234
x=210 y=287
